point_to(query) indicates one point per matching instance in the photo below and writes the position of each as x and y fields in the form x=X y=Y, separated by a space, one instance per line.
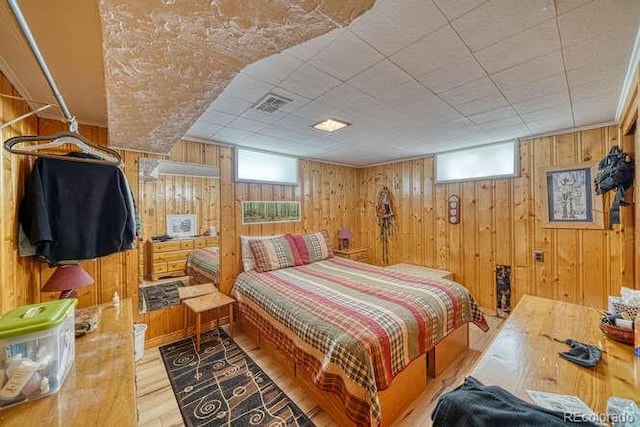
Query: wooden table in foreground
x=524 y=355
x=100 y=387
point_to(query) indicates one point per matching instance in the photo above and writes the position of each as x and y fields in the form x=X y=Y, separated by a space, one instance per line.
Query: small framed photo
x=182 y=225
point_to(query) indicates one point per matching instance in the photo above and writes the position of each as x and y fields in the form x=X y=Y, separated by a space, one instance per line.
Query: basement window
x=498 y=160
x=260 y=166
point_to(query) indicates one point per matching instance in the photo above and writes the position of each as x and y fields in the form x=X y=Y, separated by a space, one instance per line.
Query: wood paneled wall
x=501 y=224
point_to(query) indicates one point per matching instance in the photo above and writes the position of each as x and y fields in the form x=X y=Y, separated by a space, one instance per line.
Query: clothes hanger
x=107 y=155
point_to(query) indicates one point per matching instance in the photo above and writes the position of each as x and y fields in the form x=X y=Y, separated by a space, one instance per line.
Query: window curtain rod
x=22 y=23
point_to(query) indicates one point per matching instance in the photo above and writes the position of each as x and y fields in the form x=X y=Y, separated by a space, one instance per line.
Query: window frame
x=258 y=181
x=516 y=163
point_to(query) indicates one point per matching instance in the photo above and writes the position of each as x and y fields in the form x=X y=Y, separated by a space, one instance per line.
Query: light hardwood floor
x=157 y=405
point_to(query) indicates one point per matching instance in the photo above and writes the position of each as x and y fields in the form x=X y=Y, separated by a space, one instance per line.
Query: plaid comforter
x=352 y=326
x=202 y=265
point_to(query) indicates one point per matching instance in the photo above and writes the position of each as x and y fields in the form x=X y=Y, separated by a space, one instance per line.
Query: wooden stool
x=208 y=302
x=193 y=291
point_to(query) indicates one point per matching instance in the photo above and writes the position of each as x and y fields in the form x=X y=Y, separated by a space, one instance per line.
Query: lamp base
x=68 y=293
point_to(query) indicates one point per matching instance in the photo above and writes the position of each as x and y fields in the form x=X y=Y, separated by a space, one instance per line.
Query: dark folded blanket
x=474 y=404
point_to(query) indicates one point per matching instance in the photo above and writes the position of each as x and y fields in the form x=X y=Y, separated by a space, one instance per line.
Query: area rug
x=159 y=296
x=221 y=385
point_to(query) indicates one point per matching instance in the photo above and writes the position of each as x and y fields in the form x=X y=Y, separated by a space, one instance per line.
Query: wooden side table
x=354 y=254
x=186 y=292
x=208 y=302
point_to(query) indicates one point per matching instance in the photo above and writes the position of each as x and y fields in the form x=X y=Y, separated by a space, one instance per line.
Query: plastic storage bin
x=37 y=348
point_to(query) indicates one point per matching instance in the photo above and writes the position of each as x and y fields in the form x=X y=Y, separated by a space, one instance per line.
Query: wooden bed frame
x=404 y=389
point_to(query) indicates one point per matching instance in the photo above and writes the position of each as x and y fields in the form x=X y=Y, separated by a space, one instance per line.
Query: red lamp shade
x=345 y=235
x=67 y=278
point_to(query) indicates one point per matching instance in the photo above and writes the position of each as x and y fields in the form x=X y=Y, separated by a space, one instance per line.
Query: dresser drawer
x=200 y=243
x=212 y=241
x=171 y=256
x=359 y=256
x=172 y=245
x=159 y=268
x=186 y=244
x=176 y=266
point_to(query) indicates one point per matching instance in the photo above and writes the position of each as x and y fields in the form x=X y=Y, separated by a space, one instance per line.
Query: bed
x=352 y=328
x=203 y=266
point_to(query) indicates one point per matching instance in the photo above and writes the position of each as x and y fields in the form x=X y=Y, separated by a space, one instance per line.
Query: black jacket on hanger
x=74 y=210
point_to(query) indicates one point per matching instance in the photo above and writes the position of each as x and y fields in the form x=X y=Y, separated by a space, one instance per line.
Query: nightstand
x=208 y=302
x=354 y=254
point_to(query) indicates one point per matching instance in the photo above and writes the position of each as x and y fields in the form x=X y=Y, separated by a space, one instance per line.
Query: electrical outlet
x=538 y=256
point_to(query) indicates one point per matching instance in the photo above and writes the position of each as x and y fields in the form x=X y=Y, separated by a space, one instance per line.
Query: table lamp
x=66 y=279
x=344 y=235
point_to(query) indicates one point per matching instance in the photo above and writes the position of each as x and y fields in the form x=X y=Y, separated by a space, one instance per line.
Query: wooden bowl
x=617 y=334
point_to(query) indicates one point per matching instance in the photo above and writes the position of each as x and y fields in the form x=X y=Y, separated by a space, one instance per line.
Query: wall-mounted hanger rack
x=108 y=156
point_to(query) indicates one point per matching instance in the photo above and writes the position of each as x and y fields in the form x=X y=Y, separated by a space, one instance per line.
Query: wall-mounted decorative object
x=259 y=212
x=386 y=221
x=182 y=225
x=344 y=236
x=568 y=199
x=503 y=290
x=453 y=207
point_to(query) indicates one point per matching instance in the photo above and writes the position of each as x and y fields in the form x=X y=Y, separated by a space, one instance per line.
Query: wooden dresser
x=100 y=386
x=355 y=254
x=166 y=259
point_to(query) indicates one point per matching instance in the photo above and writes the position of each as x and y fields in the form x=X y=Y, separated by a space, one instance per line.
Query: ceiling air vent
x=271 y=103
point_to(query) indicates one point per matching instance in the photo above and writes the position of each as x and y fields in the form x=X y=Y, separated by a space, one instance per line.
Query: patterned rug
x=221 y=385
x=155 y=297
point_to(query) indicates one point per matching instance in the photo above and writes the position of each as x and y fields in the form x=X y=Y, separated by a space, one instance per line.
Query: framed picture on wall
x=260 y=212
x=182 y=225
x=568 y=199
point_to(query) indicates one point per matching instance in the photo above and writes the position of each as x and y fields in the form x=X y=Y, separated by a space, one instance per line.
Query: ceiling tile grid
x=474 y=71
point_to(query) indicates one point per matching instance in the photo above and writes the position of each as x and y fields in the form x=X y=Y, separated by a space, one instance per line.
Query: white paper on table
x=564 y=403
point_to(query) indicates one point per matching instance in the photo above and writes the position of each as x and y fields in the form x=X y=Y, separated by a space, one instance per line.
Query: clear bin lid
x=35 y=317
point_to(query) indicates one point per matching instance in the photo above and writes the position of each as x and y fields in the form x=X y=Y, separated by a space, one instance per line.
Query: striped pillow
x=313 y=247
x=275 y=253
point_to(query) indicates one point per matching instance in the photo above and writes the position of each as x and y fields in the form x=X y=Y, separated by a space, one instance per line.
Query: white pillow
x=248 y=263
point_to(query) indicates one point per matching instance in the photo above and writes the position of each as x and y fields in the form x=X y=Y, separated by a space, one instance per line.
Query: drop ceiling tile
x=597 y=87
x=455 y=9
x=455 y=74
x=511 y=124
x=501 y=113
x=498 y=19
x=481 y=105
x=596 y=18
x=260 y=116
x=202 y=130
x=273 y=69
x=614 y=46
x=345 y=56
x=431 y=52
x=228 y=133
x=279 y=132
x=560 y=112
x=381 y=77
x=246 y=125
x=318 y=110
x=542 y=102
x=470 y=91
x=216 y=117
x=345 y=98
x=522 y=47
x=309 y=82
x=546 y=86
x=565 y=6
x=230 y=105
x=247 y=88
x=391 y=25
x=416 y=101
x=551 y=125
x=304 y=51
x=612 y=73
x=530 y=71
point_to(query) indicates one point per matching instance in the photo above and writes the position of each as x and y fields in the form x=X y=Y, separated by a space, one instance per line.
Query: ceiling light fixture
x=330 y=125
